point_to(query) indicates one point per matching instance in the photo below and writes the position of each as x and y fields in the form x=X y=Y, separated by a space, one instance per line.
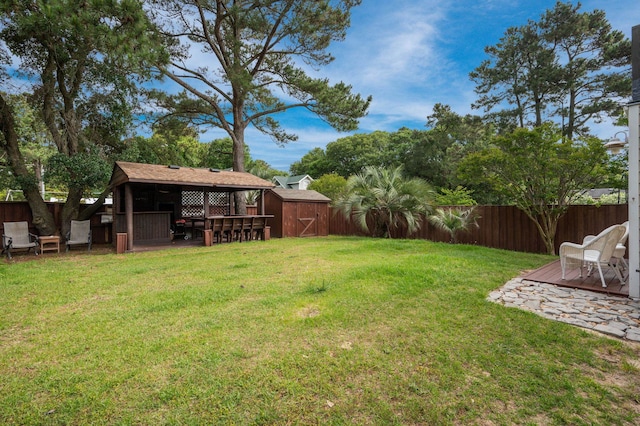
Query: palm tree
x=384 y=199
x=453 y=220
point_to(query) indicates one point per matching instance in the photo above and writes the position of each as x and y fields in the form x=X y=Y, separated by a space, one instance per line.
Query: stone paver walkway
x=615 y=316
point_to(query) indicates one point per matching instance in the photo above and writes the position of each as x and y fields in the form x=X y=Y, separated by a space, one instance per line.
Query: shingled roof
x=124 y=172
x=299 y=195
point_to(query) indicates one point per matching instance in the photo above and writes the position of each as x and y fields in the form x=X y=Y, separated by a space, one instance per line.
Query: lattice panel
x=218 y=203
x=192 y=202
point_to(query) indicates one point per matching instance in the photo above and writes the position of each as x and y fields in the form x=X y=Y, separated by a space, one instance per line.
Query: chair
x=258 y=226
x=597 y=251
x=227 y=228
x=197 y=227
x=80 y=233
x=16 y=235
x=216 y=227
x=247 y=229
x=619 y=252
x=237 y=228
x=621 y=247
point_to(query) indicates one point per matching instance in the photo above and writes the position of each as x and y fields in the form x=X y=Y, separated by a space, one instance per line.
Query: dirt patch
x=625 y=382
x=309 y=312
x=23 y=256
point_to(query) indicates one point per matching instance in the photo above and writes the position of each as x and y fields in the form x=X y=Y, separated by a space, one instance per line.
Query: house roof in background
x=286 y=181
x=124 y=172
x=300 y=195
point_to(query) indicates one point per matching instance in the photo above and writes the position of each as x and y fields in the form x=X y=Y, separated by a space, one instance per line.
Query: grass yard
x=297 y=331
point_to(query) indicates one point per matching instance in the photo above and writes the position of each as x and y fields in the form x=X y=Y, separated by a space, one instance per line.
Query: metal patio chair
x=16 y=235
x=79 y=234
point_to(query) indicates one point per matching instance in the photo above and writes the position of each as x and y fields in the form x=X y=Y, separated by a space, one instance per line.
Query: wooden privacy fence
x=504 y=227
x=16 y=211
x=507 y=227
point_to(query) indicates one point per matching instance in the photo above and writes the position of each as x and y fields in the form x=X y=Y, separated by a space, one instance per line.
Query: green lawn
x=297 y=331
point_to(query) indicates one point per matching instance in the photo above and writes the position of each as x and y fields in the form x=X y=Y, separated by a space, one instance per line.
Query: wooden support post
x=128 y=209
x=633 y=192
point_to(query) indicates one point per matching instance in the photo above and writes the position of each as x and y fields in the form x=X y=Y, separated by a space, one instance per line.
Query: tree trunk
x=70 y=211
x=37 y=165
x=42 y=218
x=547 y=231
x=238 y=161
x=571 y=121
x=93 y=208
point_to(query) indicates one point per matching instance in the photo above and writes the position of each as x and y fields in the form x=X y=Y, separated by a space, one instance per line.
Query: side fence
x=507 y=227
x=504 y=227
x=15 y=211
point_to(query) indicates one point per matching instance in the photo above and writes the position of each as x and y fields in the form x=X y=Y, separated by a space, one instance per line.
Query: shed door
x=307 y=220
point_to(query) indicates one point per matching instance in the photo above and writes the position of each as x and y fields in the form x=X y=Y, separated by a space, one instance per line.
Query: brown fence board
x=16 y=211
x=504 y=227
x=509 y=228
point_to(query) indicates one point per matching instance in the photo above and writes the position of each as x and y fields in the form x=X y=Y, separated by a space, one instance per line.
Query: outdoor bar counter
x=148 y=226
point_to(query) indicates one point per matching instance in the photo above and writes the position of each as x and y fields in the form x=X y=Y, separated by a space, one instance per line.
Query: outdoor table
x=49 y=243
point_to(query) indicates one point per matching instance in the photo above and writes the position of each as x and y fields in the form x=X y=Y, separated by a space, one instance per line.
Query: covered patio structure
x=152 y=204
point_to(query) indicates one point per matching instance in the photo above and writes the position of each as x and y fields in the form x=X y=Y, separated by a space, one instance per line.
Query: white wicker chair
x=618 y=253
x=598 y=251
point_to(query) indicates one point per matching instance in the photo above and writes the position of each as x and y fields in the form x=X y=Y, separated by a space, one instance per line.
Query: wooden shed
x=297 y=212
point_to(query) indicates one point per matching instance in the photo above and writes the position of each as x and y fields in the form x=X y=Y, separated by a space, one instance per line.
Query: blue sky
x=410 y=55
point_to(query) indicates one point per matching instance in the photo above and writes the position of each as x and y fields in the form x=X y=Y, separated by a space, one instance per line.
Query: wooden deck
x=552 y=274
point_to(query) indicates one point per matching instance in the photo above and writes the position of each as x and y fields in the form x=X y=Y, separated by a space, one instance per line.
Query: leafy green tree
x=263 y=170
x=350 y=155
x=541 y=172
x=454 y=220
x=177 y=143
x=82 y=58
x=595 y=65
x=519 y=75
x=331 y=185
x=314 y=163
x=617 y=175
x=459 y=135
x=253 y=46
x=455 y=197
x=423 y=154
x=219 y=154
x=570 y=65
x=172 y=142
x=385 y=199
x=33 y=141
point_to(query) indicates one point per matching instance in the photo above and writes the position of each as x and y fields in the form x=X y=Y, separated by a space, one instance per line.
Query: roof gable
x=290 y=181
x=298 y=178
